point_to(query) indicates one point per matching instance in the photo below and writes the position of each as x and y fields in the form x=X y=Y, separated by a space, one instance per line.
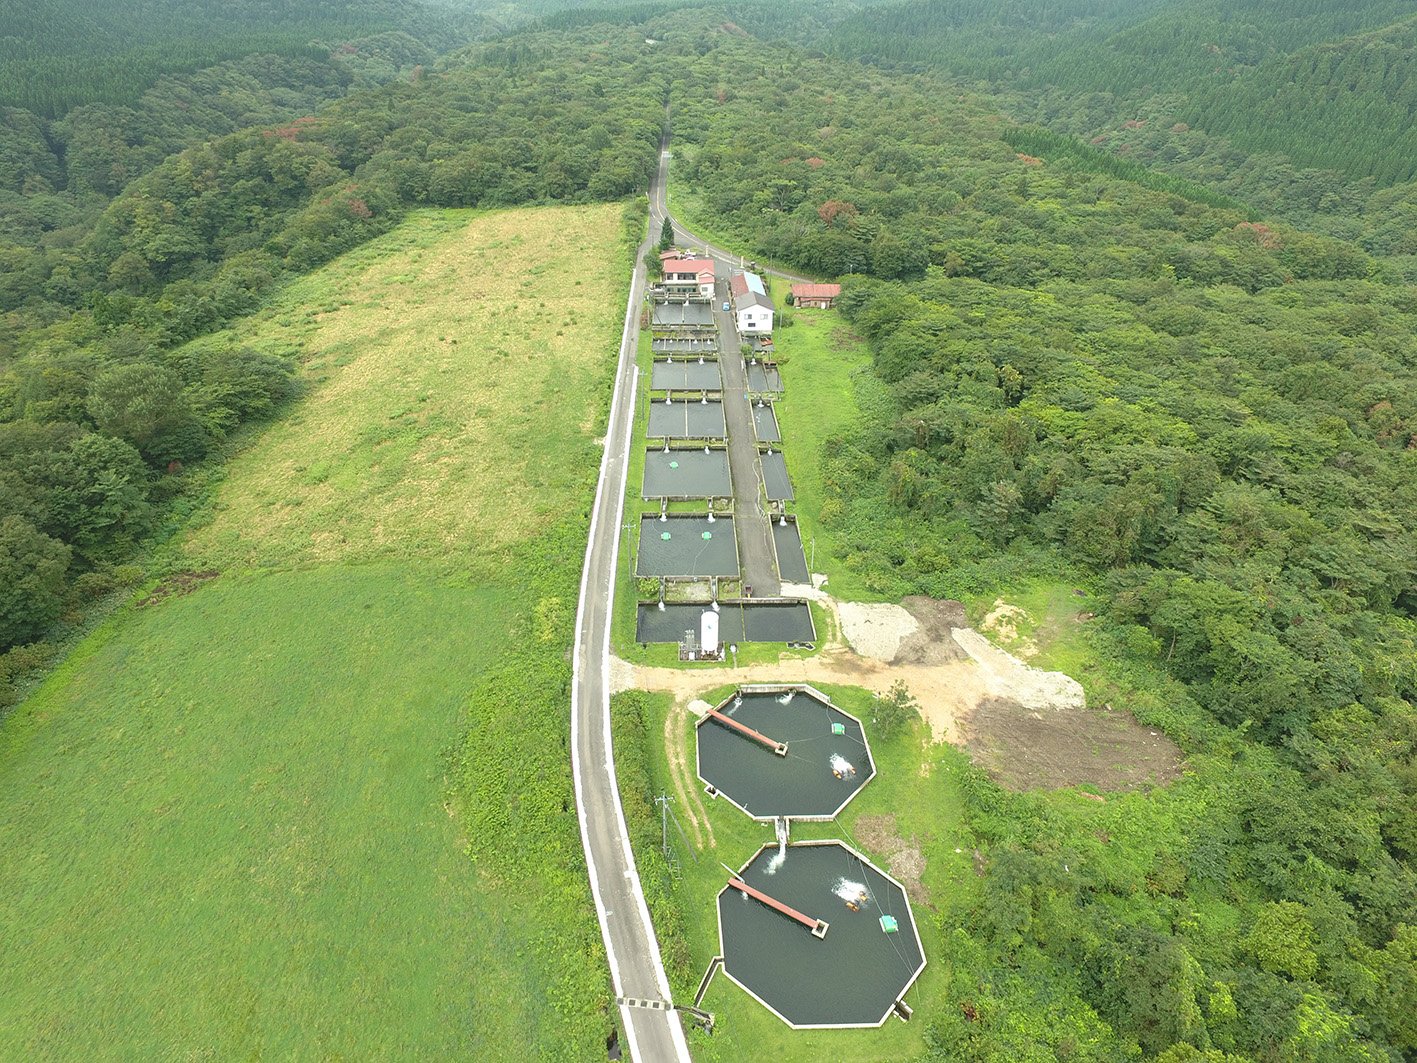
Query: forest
x=1206 y=419
x=1329 y=86
x=1139 y=372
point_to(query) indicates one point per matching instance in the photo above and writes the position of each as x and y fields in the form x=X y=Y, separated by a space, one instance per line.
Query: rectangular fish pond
x=686 y=548
x=775 y=478
x=683 y=345
x=750 y=621
x=791 y=561
x=686 y=375
x=763 y=379
x=687 y=473
x=683 y=315
x=681 y=418
x=765 y=423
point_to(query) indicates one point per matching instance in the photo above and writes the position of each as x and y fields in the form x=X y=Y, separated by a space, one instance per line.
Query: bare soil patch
x=1032 y=749
x=1030 y=728
x=904 y=859
x=685 y=778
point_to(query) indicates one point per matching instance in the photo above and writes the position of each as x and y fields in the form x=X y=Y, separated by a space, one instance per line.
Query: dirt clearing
x=1030 y=728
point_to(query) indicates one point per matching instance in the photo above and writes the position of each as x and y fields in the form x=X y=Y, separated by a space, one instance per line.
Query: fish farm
x=687 y=473
x=689 y=375
x=791 y=559
x=751 y=621
x=684 y=417
x=686 y=547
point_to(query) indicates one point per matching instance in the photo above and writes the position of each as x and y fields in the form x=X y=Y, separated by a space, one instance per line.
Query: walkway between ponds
x=755 y=545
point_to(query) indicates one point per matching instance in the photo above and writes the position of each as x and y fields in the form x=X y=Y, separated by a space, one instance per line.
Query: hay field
x=455 y=367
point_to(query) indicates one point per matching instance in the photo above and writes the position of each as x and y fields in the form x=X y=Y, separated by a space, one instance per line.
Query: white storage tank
x=708 y=632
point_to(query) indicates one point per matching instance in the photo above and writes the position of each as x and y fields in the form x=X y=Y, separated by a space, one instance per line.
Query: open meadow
x=309 y=797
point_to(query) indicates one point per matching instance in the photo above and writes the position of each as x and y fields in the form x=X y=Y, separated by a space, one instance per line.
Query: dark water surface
x=852 y=976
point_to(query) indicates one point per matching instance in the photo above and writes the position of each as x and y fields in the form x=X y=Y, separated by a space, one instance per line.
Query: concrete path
x=756 y=555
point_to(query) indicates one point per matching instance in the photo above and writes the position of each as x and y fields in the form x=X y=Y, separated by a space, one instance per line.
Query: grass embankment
x=324 y=810
x=917 y=782
x=826 y=378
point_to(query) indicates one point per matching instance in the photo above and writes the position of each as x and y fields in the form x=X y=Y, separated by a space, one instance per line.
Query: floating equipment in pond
x=674 y=465
x=889 y=924
x=708 y=535
x=841 y=767
x=853 y=893
x=664 y=536
x=838 y=729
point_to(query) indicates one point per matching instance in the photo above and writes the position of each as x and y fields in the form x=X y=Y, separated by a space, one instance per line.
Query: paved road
x=652 y=1030
x=659 y=208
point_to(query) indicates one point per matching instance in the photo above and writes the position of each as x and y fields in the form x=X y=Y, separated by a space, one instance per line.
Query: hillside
x=1127 y=390
x=1326 y=85
x=57 y=54
x=306 y=795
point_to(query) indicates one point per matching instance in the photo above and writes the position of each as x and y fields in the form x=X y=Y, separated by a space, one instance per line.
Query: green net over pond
x=686 y=546
x=850 y=977
x=686 y=474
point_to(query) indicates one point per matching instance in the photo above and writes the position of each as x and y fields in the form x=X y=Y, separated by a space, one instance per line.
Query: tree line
x=105 y=401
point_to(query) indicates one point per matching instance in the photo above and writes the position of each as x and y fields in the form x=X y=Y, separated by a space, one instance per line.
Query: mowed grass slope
x=458 y=362
x=321 y=810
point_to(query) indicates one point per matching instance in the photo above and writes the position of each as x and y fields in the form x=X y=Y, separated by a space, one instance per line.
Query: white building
x=752 y=309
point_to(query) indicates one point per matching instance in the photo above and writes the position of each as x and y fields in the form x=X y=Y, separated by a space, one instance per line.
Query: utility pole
x=663 y=802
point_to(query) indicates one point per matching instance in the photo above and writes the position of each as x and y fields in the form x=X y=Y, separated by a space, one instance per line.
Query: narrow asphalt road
x=652 y=1029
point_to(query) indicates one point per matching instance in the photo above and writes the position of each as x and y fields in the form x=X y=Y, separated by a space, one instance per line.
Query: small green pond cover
x=708 y=535
x=838 y=729
x=664 y=536
x=889 y=924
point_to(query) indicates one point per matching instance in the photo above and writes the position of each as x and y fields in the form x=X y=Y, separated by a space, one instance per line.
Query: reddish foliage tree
x=835 y=208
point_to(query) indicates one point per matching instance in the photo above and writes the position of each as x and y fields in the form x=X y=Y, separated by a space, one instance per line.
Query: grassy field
x=917 y=782
x=824 y=367
x=225 y=830
x=318 y=805
x=458 y=366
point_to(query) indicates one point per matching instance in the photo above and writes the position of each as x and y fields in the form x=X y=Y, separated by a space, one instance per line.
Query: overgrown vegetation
x=96 y=394
x=331 y=789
